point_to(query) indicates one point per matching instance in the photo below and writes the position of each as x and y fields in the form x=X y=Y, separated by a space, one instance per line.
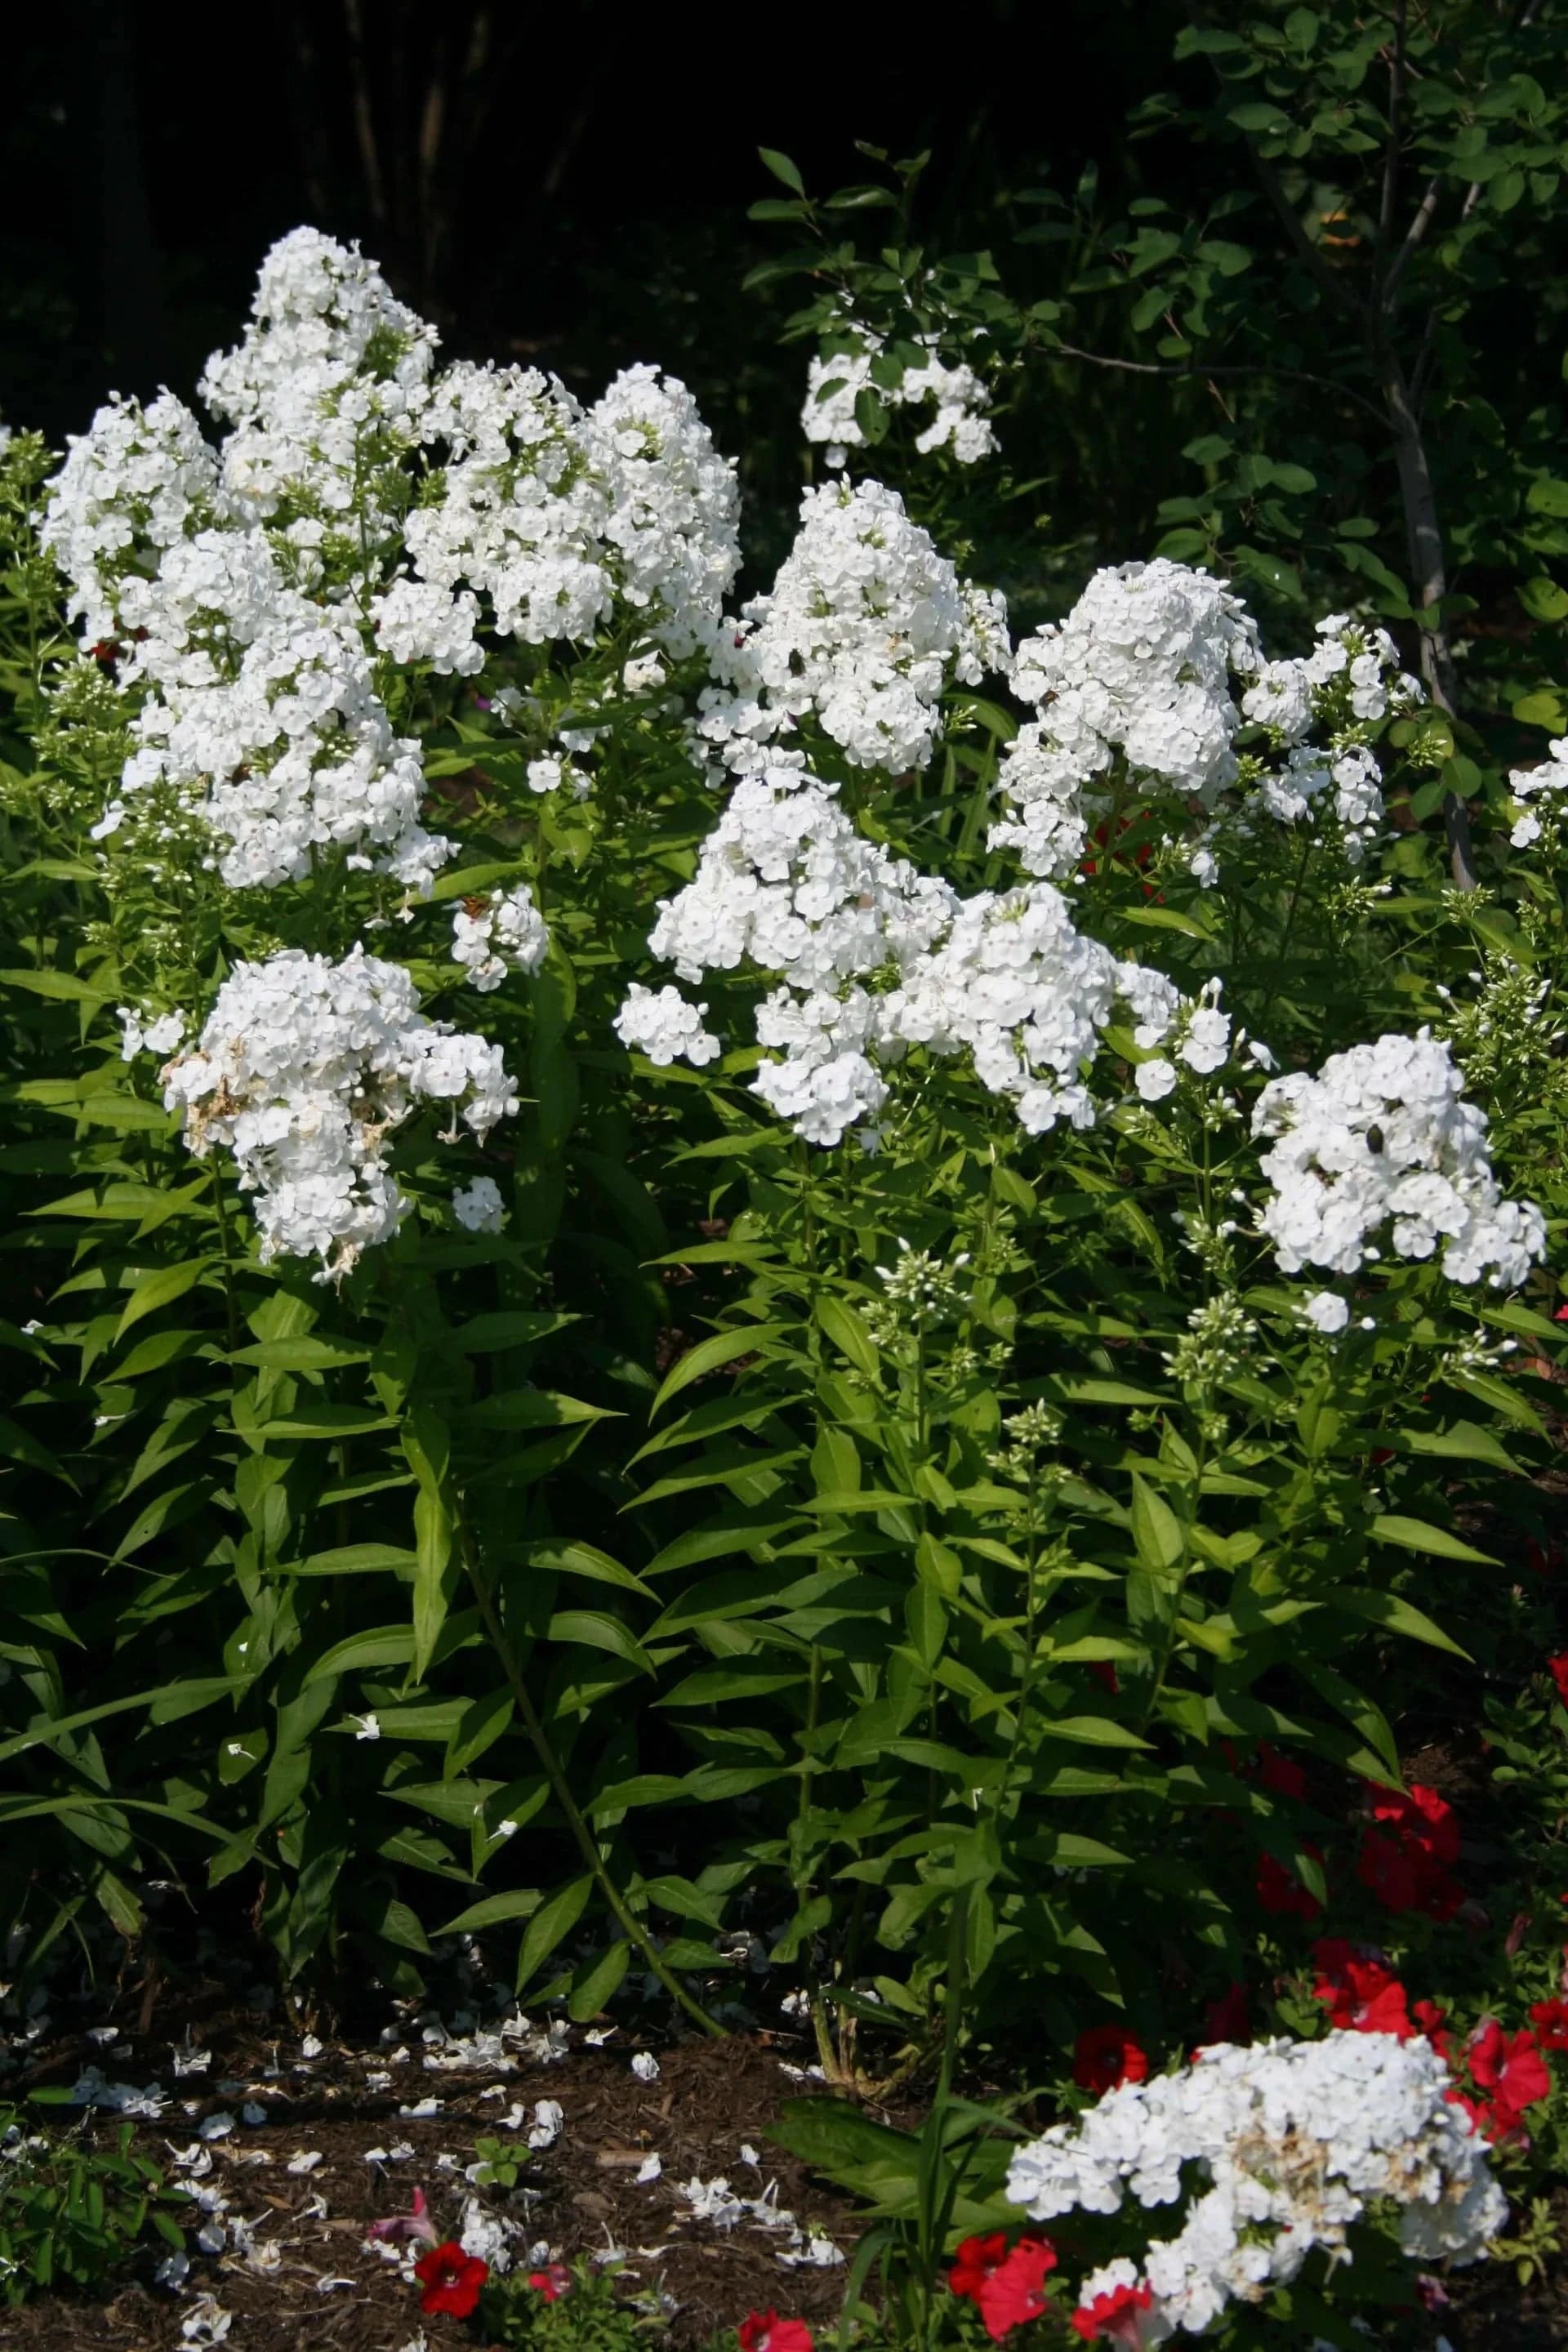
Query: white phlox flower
x=1289 y=2142
x=480 y=1209
x=863 y=628
x=663 y=1025
x=303 y=1069
x=1530 y=785
x=836 y=380
x=1381 y=1133
x=496 y=934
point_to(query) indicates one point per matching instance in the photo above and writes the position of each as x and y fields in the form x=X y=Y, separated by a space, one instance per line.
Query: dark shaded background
x=568 y=185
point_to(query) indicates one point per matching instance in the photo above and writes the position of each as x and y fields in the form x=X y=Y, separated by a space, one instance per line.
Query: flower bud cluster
x=863 y=628
x=1382 y=1132
x=1290 y=2142
x=859 y=366
x=303 y=1069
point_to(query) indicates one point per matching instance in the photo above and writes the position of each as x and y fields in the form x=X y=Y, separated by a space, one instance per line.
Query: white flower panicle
x=1142 y=667
x=863 y=628
x=787 y=886
x=303 y=1069
x=673 y=506
x=496 y=934
x=134 y=484
x=1158 y=666
x=1530 y=784
x=263 y=716
x=333 y=371
x=1382 y=1132
x=1291 y=2142
x=249 y=594
x=663 y=1025
x=552 y=512
x=835 y=381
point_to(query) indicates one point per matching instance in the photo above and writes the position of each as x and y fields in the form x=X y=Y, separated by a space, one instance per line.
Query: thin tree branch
x=1425 y=213
x=1200 y=375
x=1395 y=125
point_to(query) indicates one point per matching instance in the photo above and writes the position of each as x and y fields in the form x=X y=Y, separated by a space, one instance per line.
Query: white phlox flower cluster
x=787 y=886
x=1382 y=1132
x=263 y=718
x=1530 y=784
x=331 y=376
x=1347 y=684
x=863 y=628
x=1200 y=1037
x=1142 y=667
x=1160 y=666
x=660 y=1024
x=552 y=512
x=303 y=1069
x=496 y=934
x=1295 y=2141
x=247 y=595
x=135 y=483
x=837 y=379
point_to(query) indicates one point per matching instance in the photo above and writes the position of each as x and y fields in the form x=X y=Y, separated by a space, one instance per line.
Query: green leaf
x=1415 y=1535
x=159 y=1288
x=1394 y=1614
x=1156 y=1530
x=711 y=1355
x=600 y=1984
x=517 y=1903
x=783 y=169
x=357 y=1559
x=553 y=1921
x=64 y=986
x=598 y=1631
x=1090 y=1731
x=847 y=1333
x=564 y=1557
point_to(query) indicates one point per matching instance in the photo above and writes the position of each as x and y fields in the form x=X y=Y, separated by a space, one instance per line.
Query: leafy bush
x=718 y=1286
x=71 y=2213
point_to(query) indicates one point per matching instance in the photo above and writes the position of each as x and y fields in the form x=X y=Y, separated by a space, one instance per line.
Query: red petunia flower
x=1282 y=1892
x=1280 y=1773
x=1114 y=2315
x=764 y=2331
x=1406 y=1859
x=1432 y=2020
x=1514 y=2071
x=1105 y=1673
x=1360 y=1994
x=451 y=2280
x=1104 y=2055
x=1227 y=2019
x=1549 y=2018
x=552 y=2282
x=1005 y=2285
x=1557 y=1668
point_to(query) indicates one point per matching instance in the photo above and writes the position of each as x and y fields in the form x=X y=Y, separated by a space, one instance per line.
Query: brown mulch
x=581 y=2195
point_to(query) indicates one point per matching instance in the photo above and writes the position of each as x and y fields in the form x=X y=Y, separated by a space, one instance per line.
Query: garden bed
x=313 y=2280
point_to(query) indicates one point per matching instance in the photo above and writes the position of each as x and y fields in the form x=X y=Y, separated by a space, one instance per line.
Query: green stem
x=631 y=1928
